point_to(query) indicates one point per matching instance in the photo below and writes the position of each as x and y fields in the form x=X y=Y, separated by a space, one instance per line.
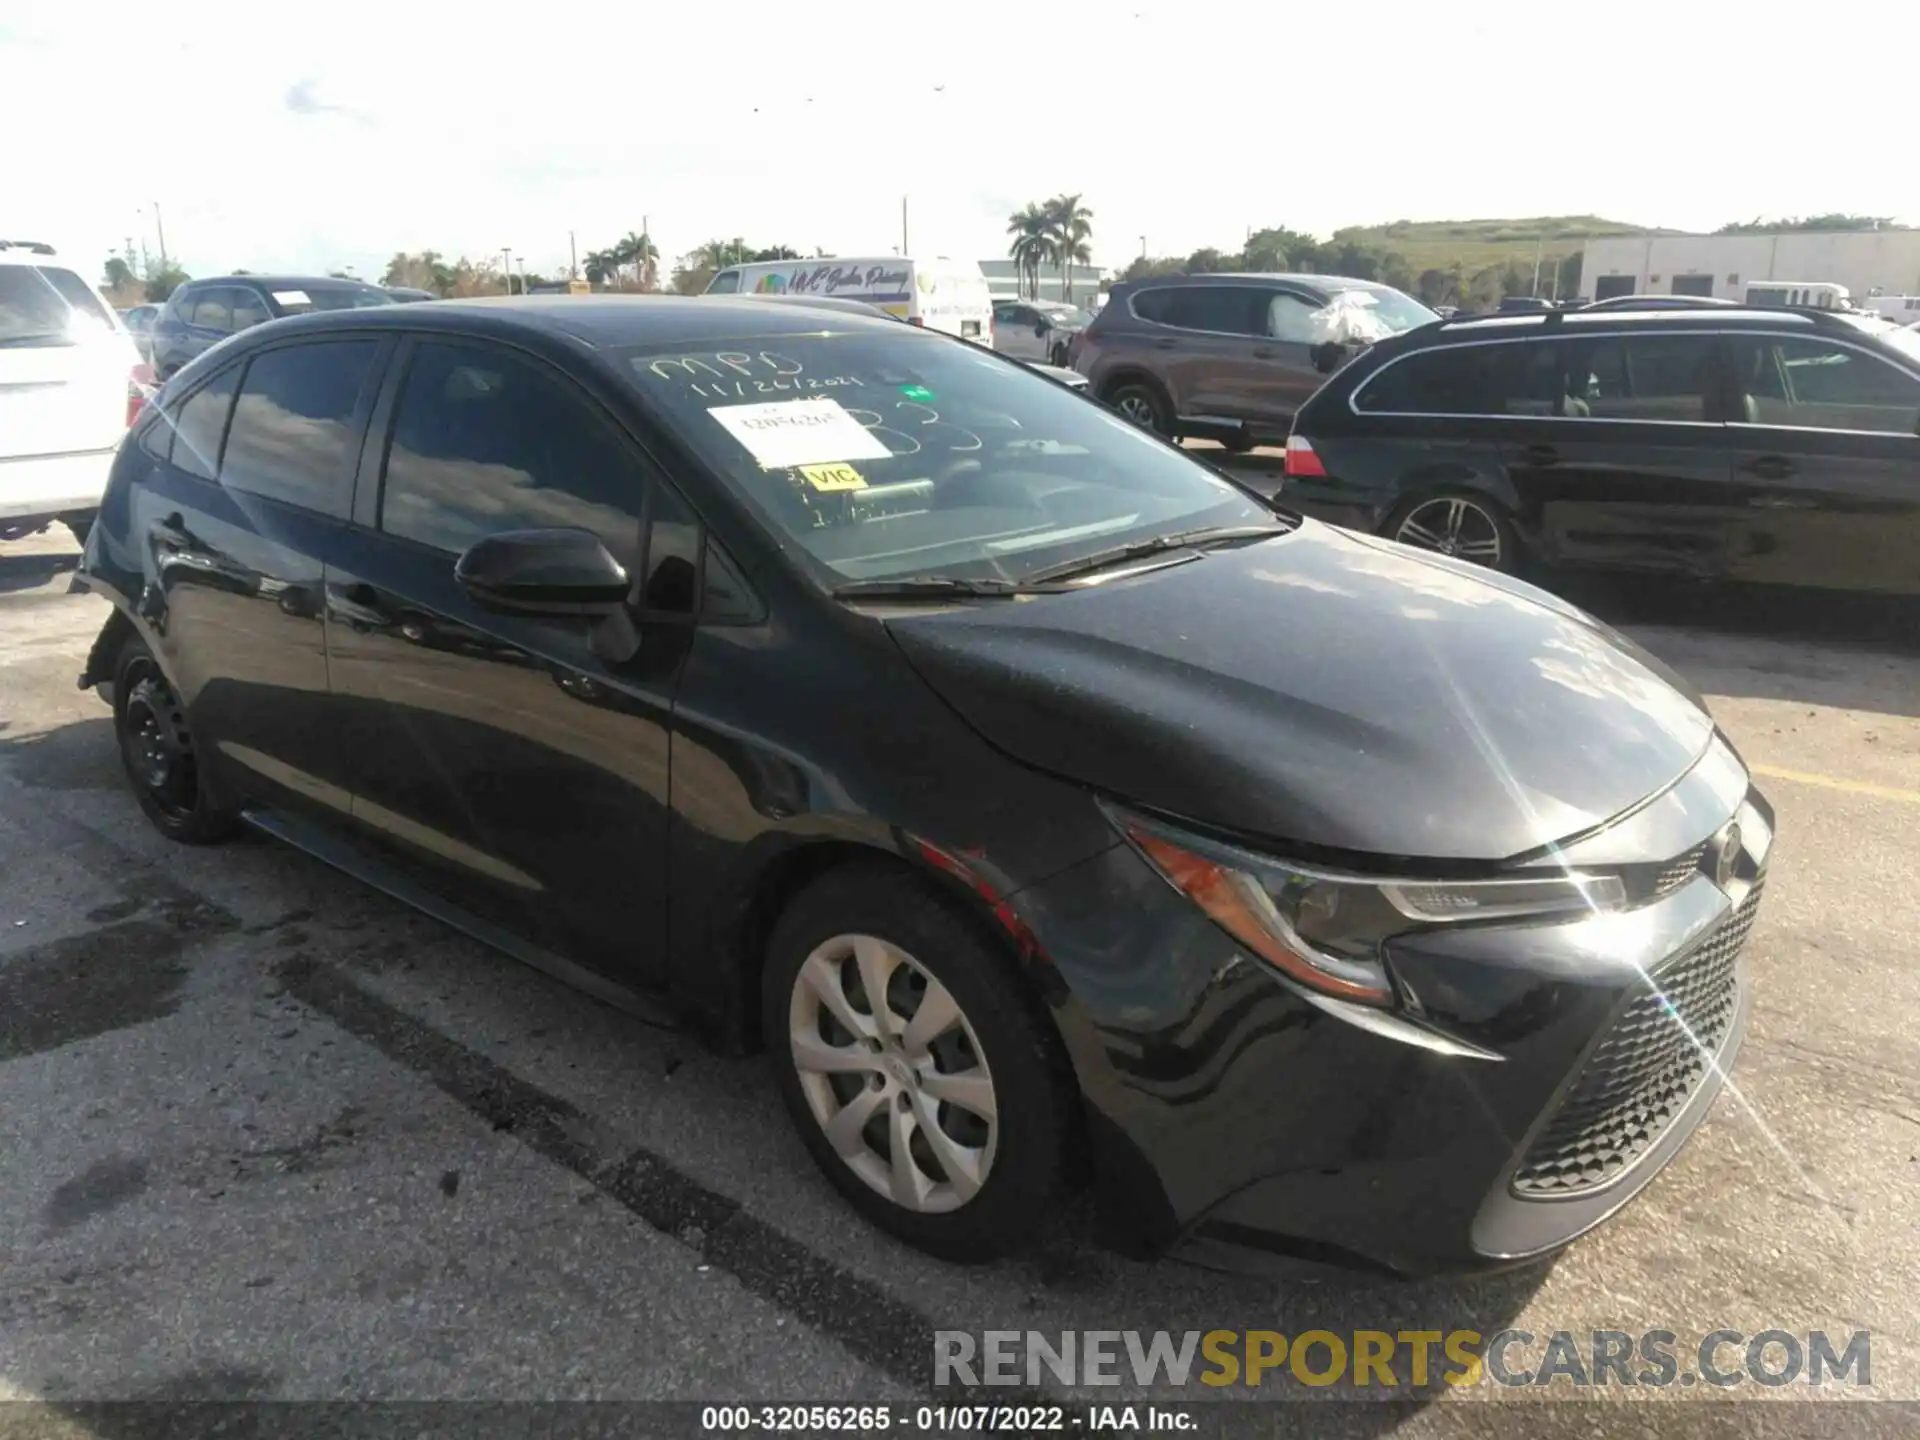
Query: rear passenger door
x=514 y=765
x=248 y=495
x=1621 y=460
x=1826 y=462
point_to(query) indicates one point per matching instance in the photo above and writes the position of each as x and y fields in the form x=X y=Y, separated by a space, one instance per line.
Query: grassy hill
x=1477 y=245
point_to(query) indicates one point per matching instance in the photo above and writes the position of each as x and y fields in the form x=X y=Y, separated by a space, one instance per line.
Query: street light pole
x=162 y=230
x=506 y=267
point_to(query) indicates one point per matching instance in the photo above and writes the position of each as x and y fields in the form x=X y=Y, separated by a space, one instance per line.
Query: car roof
x=1233 y=277
x=1589 y=320
x=289 y=282
x=604 y=321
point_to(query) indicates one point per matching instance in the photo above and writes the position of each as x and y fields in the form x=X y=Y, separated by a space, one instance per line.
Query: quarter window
x=201 y=425
x=485 y=442
x=1457 y=380
x=1809 y=384
x=293 y=430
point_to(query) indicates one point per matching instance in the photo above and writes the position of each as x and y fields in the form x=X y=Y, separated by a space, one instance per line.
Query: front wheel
x=1468 y=527
x=157 y=749
x=921 y=1080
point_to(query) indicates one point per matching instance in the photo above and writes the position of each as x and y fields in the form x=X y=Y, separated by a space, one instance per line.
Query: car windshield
x=304 y=299
x=1397 y=311
x=884 y=456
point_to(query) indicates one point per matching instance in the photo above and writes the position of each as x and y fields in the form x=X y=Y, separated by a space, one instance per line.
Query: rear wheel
x=919 y=1076
x=1143 y=404
x=157 y=750
x=1468 y=527
x=1059 y=357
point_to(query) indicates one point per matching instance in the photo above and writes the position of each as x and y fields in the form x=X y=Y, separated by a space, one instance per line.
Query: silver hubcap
x=1452 y=526
x=1137 y=409
x=893 y=1073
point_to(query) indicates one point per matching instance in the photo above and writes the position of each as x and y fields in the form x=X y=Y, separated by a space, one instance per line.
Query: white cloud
x=305 y=139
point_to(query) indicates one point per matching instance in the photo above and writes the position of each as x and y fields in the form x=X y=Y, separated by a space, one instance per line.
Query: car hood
x=1323 y=690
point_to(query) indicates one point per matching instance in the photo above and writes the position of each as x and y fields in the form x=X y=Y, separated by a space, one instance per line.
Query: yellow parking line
x=1831 y=782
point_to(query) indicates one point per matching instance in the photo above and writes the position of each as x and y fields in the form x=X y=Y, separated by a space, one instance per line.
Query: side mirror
x=1329 y=357
x=543 y=572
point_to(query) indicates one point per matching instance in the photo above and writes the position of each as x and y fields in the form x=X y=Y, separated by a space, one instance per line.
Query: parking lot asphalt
x=265 y=1133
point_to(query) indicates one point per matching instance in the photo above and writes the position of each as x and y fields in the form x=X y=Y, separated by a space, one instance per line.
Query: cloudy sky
x=311 y=137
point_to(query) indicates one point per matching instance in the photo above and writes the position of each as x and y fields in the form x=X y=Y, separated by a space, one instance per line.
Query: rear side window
x=1639 y=377
x=1222 y=309
x=248 y=309
x=293 y=430
x=484 y=441
x=37 y=309
x=210 y=311
x=201 y=424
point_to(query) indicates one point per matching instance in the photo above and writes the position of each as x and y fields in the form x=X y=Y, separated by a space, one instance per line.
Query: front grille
x=1679 y=871
x=1643 y=1072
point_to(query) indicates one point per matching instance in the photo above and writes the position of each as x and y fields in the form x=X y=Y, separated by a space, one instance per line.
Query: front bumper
x=1226 y=1112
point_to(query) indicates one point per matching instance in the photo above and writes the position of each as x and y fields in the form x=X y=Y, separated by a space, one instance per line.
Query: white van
x=939 y=294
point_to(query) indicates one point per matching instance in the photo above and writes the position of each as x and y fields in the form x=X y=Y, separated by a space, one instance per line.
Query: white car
x=71 y=381
x=1040 y=330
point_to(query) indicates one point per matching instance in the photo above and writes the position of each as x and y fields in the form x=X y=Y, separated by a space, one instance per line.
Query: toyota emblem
x=1727 y=856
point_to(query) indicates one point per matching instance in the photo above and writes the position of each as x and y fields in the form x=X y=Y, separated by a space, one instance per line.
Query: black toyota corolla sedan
x=1043 y=804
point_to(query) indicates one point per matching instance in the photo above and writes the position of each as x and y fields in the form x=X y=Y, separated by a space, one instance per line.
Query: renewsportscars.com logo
x=1383 y=1360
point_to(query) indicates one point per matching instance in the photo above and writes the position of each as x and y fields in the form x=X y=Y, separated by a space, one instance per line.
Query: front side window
x=1809 y=384
x=484 y=441
x=293 y=429
x=882 y=456
x=727 y=282
x=1290 y=319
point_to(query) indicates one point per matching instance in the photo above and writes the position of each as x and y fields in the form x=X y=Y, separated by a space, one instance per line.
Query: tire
x=848 y=923
x=1058 y=359
x=1141 y=402
x=1239 y=444
x=1459 y=523
x=156 y=750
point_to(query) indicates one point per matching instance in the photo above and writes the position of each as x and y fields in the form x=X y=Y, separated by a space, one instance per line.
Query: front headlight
x=1326 y=930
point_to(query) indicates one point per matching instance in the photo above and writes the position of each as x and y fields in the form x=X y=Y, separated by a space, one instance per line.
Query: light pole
x=506 y=267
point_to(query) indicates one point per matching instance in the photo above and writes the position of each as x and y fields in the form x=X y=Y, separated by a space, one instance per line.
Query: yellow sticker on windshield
x=833 y=477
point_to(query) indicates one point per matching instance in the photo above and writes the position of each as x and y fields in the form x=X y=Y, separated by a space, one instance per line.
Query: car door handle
x=1540 y=455
x=1779 y=502
x=1164 y=344
x=1771 y=467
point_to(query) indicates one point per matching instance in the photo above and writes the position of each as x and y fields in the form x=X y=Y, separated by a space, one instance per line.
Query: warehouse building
x=1864 y=261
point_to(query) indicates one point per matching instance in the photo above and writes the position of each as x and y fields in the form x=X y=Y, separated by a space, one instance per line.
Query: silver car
x=1037 y=329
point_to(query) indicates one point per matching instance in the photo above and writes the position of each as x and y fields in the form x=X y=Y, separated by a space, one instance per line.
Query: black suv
x=202 y=313
x=1724 y=443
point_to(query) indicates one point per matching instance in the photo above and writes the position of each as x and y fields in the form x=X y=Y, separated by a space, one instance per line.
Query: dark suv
x=1230 y=357
x=202 y=313
x=1723 y=443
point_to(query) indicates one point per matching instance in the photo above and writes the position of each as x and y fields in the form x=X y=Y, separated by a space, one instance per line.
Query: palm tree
x=1030 y=246
x=1069 y=225
x=639 y=251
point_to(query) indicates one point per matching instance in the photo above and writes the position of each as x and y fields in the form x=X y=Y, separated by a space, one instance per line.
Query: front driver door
x=516 y=765
x=1826 y=460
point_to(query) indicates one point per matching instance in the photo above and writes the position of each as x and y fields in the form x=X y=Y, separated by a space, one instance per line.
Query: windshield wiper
x=939 y=587
x=1179 y=540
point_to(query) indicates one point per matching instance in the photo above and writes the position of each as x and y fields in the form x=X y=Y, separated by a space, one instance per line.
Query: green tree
x=773 y=252
x=118 y=274
x=1277 y=248
x=1031 y=246
x=1209 y=261
x=164 y=280
x=1835 y=221
x=1069 y=228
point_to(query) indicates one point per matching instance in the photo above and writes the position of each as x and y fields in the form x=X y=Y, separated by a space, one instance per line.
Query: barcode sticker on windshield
x=292 y=297
x=785 y=433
